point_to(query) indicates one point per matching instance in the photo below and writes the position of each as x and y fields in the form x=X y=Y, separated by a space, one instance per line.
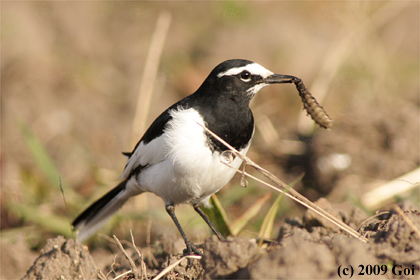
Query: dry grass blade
x=143 y=265
x=101 y=275
x=149 y=74
x=114 y=262
x=129 y=259
x=123 y=274
x=407 y=220
x=282 y=187
x=170 y=267
x=383 y=194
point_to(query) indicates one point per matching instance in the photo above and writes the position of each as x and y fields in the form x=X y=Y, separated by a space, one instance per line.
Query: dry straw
x=281 y=186
x=149 y=74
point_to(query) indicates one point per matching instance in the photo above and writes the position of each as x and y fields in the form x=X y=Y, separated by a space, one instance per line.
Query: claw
x=192 y=249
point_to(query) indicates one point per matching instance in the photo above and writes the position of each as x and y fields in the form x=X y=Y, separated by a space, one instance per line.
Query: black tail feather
x=92 y=210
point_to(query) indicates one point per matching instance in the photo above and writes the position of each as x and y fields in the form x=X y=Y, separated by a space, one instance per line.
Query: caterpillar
x=312 y=106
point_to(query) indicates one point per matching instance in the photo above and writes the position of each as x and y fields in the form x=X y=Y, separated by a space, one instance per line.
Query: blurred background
x=71 y=74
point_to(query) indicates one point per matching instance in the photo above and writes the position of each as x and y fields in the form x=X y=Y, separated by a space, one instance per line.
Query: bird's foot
x=221 y=237
x=192 y=249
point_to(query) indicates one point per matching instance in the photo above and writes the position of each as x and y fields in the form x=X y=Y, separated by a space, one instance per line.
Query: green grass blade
x=268 y=223
x=218 y=216
x=40 y=155
x=240 y=222
x=50 y=222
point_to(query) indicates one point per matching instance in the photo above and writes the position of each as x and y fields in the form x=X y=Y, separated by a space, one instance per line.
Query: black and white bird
x=177 y=159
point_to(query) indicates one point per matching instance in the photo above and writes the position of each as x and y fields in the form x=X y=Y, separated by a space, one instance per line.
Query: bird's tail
x=94 y=217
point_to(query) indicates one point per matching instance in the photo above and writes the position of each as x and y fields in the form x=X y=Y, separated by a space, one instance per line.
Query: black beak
x=280 y=79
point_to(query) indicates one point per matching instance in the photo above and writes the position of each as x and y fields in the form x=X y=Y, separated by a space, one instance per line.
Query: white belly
x=189 y=172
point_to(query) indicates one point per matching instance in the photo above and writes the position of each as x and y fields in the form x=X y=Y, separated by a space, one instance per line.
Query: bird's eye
x=245 y=76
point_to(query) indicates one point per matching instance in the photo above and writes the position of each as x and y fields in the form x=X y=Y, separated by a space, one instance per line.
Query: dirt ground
x=70 y=79
x=305 y=249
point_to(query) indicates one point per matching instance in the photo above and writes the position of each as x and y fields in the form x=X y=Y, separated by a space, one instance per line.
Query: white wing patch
x=182 y=137
x=145 y=154
x=253 y=68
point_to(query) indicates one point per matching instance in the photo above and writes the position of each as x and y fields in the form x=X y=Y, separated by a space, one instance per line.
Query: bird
x=178 y=159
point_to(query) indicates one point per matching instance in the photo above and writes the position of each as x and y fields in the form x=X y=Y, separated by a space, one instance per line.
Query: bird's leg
x=197 y=208
x=191 y=248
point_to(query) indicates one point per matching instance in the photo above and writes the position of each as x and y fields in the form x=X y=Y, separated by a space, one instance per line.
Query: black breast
x=231 y=121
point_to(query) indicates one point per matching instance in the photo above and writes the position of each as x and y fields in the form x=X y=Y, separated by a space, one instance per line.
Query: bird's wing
x=149 y=150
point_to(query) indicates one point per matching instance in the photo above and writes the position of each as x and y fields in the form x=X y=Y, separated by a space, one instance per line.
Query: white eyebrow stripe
x=253 y=68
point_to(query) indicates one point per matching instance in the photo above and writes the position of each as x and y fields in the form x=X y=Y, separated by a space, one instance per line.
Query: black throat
x=226 y=115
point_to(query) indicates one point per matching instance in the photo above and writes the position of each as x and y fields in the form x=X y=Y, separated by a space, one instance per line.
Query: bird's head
x=242 y=79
